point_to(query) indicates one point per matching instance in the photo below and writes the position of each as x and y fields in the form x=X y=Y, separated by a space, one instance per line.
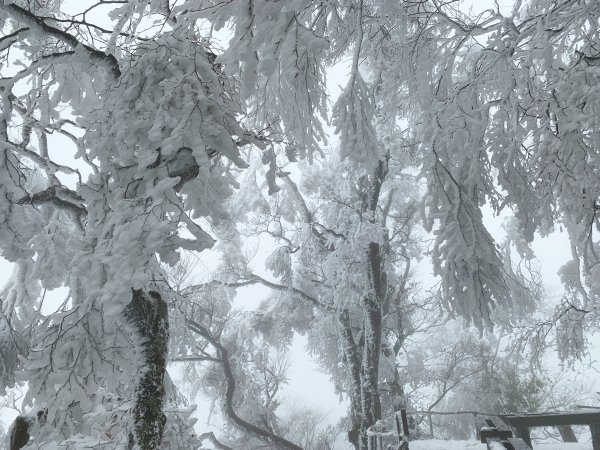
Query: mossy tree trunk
x=148 y=314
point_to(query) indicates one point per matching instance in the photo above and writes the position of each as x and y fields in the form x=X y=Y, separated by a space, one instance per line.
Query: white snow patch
x=436 y=444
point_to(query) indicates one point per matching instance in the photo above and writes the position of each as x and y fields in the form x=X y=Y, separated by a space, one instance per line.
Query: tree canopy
x=136 y=132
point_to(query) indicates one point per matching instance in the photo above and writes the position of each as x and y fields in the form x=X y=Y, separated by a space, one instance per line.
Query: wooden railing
x=522 y=423
x=497 y=435
x=498 y=432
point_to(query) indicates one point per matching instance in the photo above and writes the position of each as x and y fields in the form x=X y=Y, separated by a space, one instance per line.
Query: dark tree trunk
x=18 y=433
x=371 y=403
x=148 y=313
x=372 y=310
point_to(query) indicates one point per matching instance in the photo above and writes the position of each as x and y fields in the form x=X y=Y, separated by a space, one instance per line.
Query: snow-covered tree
x=505 y=106
x=353 y=300
x=153 y=115
x=153 y=125
x=226 y=360
x=121 y=132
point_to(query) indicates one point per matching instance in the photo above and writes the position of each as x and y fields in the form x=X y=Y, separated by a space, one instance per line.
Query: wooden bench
x=498 y=435
x=522 y=423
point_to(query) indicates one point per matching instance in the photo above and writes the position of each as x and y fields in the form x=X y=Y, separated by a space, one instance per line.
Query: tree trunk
x=371 y=403
x=352 y=360
x=148 y=313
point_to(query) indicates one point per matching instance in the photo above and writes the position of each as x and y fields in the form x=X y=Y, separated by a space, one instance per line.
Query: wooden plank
x=523 y=433
x=552 y=420
x=518 y=444
x=495 y=444
x=566 y=433
x=489 y=432
x=491 y=428
x=480 y=424
x=500 y=422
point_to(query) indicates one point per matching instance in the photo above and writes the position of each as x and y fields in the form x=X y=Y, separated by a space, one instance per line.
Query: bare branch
x=230 y=412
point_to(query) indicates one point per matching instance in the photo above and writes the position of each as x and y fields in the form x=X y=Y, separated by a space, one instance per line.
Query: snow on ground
x=476 y=445
x=436 y=444
x=561 y=446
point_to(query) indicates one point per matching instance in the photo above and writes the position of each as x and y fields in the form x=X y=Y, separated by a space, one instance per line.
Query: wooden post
x=431 y=426
x=523 y=422
x=518 y=444
x=566 y=433
x=398 y=433
x=404 y=421
x=523 y=433
x=595 y=429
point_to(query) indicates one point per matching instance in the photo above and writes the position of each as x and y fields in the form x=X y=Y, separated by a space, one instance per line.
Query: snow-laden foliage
x=353 y=116
x=506 y=110
x=278 y=49
x=500 y=110
x=344 y=244
x=155 y=127
x=465 y=254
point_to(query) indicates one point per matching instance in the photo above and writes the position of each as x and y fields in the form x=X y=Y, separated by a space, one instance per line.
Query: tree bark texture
x=372 y=304
x=148 y=313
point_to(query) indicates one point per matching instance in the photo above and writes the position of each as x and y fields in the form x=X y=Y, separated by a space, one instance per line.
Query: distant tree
x=323 y=271
x=460 y=371
x=305 y=425
x=227 y=361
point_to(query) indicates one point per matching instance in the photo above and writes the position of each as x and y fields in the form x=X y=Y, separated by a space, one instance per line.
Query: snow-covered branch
x=40 y=27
